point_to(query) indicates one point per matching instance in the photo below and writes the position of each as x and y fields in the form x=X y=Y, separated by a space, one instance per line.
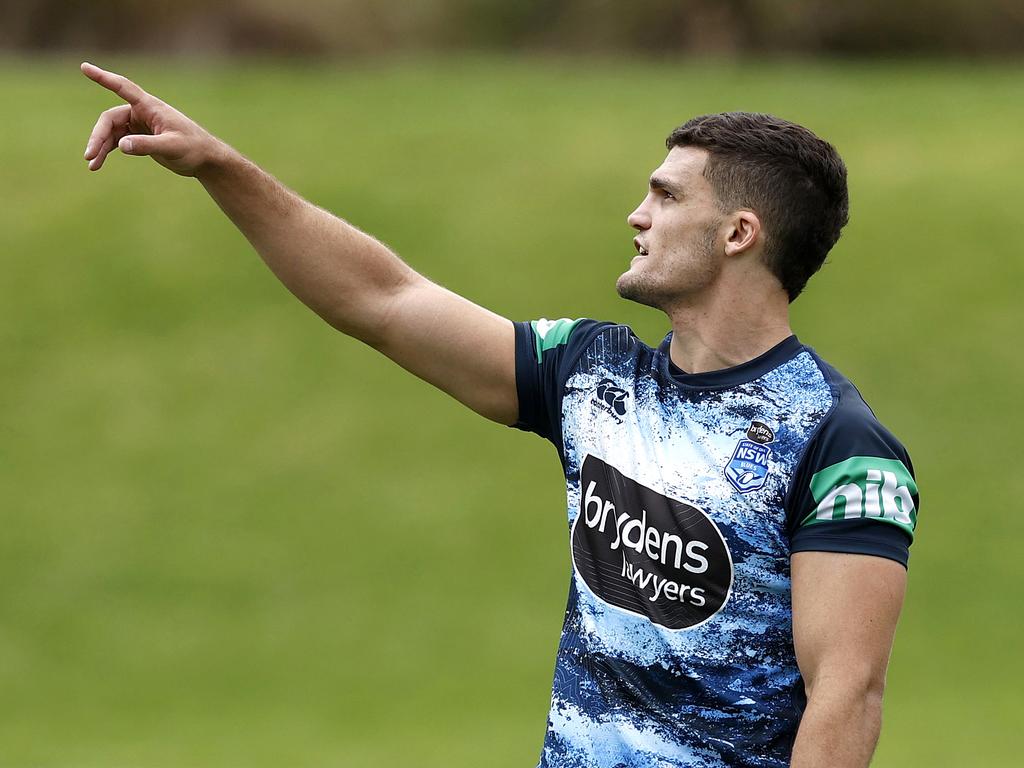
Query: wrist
x=218 y=158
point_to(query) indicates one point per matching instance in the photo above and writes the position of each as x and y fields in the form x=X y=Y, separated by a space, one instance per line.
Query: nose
x=639 y=219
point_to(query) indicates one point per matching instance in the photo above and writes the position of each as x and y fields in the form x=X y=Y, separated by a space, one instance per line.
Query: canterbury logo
x=867 y=487
x=612 y=396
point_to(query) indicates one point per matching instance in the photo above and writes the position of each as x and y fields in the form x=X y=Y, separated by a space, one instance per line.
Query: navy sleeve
x=854 y=488
x=546 y=354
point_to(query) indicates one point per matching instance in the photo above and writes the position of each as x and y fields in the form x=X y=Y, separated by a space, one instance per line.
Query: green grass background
x=231 y=537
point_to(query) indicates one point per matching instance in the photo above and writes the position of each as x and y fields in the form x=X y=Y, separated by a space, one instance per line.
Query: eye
x=667 y=195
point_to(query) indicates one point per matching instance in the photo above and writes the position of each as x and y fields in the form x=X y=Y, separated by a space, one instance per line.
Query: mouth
x=641 y=249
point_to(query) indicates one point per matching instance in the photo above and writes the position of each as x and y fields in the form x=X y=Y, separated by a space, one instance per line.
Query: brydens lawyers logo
x=648 y=554
x=611 y=398
x=747 y=470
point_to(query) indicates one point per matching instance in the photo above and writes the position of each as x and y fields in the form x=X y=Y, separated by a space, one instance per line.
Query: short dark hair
x=793 y=180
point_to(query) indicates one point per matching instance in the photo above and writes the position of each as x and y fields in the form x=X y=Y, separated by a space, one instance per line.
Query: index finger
x=119 y=84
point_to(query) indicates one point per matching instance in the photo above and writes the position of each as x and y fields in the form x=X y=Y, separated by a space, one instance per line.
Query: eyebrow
x=659 y=182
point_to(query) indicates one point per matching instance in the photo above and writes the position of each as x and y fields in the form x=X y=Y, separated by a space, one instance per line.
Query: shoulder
x=565 y=338
x=851 y=426
x=547 y=353
x=854 y=488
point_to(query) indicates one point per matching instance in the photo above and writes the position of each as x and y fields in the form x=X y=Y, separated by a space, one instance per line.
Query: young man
x=739 y=519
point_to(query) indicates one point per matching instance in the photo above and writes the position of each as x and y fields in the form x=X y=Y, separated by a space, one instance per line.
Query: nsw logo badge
x=747 y=470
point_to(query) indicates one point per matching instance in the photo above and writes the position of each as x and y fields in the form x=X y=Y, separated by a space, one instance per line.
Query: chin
x=625 y=283
x=633 y=287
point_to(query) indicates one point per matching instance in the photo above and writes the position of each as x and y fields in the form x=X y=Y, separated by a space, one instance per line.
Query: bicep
x=454 y=344
x=845 y=609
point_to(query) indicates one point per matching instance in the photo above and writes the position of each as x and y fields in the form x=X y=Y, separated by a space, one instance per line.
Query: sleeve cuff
x=855 y=537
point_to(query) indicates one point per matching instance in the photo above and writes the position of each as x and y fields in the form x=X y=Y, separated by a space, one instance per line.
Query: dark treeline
x=355 y=27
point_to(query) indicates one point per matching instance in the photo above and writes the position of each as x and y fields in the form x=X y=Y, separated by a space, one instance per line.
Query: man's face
x=678 y=246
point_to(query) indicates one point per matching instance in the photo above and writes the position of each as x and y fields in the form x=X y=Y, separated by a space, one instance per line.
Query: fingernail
x=126 y=145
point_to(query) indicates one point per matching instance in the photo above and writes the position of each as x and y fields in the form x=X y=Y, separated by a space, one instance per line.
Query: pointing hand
x=146 y=126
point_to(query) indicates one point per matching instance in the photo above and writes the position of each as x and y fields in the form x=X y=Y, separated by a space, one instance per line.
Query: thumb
x=143 y=144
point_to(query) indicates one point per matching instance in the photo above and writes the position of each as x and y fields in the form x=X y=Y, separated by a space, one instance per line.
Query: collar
x=728 y=377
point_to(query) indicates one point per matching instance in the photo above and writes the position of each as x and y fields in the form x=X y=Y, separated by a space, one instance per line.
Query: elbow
x=369 y=313
x=857 y=688
x=870 y=694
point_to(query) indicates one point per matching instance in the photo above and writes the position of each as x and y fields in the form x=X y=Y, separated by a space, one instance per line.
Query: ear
x=743 y=233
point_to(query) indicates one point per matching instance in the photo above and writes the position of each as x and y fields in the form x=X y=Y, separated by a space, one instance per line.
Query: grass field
x=232 y=537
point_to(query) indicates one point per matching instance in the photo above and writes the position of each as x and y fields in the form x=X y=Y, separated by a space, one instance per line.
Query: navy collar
x=728 y=377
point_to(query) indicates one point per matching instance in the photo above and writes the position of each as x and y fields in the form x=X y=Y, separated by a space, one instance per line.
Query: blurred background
x=232 y=537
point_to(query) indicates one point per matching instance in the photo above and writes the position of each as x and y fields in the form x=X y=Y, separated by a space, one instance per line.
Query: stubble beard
x=661 y=288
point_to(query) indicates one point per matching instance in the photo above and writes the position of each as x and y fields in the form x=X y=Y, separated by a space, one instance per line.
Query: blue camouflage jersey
x=687 y=494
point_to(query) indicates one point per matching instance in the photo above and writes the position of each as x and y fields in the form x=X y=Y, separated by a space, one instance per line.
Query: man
x=739 y=519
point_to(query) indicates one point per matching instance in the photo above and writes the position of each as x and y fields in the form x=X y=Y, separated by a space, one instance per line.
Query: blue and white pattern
x=628 y=692
x=716 y=683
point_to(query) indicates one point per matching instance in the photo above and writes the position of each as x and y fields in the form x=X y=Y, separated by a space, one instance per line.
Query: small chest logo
x=611 y=398
x=748 y=468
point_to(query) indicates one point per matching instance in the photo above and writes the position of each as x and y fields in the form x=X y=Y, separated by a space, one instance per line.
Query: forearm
x=341 y=273
x=839 y=728
x=347 y=277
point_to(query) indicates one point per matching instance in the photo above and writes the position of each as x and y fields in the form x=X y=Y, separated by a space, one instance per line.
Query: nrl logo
x=747 y=470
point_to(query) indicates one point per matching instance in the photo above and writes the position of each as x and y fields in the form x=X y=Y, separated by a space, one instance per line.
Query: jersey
x=687 y=494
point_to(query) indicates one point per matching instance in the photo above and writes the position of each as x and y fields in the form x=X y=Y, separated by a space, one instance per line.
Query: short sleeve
x=546 y=353
x=854 y=489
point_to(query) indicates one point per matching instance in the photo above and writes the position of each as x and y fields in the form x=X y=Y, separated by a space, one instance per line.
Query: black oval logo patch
x=646 y=553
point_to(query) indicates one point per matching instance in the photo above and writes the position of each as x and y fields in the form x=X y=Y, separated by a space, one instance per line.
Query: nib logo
x=611 y=398
x=865 y=486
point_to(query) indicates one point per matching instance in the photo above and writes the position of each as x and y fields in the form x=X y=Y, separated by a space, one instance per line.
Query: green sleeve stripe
x=548 y=334
x=864 y=487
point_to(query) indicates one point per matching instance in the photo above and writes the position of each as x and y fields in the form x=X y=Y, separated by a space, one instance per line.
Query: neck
x=725 y=329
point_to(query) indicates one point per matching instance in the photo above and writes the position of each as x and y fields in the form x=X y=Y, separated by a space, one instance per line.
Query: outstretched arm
x=845 y=609
x=349 y=278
